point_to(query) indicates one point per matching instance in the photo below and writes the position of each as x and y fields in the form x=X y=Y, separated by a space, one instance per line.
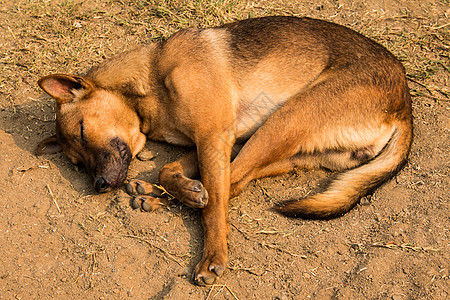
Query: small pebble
x=145 y=155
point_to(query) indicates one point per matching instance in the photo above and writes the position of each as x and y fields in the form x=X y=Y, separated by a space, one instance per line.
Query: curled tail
x=348 y=188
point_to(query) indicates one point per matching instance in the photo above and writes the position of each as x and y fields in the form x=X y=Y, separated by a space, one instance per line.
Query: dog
x=256 y=98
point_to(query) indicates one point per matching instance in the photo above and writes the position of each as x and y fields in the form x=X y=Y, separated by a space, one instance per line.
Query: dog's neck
x=131 y=75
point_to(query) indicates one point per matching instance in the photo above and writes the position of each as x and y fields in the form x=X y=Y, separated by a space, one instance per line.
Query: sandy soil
x=60 y=240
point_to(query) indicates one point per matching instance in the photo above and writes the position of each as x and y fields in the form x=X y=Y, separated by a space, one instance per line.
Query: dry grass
x=41 y=37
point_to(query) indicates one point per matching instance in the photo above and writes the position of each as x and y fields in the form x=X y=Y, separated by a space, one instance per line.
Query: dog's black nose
x=101 y=185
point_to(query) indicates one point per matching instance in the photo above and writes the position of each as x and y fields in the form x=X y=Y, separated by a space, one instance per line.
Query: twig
x=426 y=88
x=312 y=273
x=429 y=96
x=54 y=198
x=32 y=278
x=444 y=66
x=209 y=293
x=221 y=286
x=421 y=84
x=271 y=246
x=393 y=246
x=231 y=292
x=263 y=244
x=265 y=193
x=439 y=27
x=12 y=33
x=241 y=232
x=164 y=191
x=249 y=270
x=164 y=251
x=269 y=232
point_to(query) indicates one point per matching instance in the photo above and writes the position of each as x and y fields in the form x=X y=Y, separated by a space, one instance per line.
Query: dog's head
x=94 y=127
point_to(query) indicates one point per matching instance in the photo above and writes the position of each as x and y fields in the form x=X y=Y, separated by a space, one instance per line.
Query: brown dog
x=288 y=92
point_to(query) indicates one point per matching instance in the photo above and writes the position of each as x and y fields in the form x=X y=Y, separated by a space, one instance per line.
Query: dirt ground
x=61 y=240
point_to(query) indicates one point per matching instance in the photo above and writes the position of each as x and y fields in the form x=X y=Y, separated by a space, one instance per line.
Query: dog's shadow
x=31 y=122
x=28 y=124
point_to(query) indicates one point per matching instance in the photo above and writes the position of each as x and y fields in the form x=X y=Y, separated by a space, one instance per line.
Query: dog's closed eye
x=82 y=136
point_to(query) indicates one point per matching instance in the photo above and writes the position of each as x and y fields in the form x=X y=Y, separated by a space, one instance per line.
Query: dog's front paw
x=188 y=191
x=141 y=190
x=210 y=268
x=146 y=203
x=191 y=192
x=139 y=187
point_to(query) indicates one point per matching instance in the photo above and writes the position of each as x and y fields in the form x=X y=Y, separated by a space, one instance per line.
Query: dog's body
x=287 y=92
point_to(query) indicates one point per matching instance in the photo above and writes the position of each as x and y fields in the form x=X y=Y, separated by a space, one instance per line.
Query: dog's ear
x=48 y=146
x=66 y=88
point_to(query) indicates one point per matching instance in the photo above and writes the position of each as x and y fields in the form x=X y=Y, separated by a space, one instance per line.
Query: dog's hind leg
x=333 y=160
x=276 y=168
x=270 y=150
x=316 y=129
x=280 y=165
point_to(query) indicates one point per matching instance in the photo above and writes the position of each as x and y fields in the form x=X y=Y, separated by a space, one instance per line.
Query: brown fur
x=283 y=92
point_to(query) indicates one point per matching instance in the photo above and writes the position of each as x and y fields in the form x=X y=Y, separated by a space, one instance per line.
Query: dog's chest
x=253 y=112
x=177 y=138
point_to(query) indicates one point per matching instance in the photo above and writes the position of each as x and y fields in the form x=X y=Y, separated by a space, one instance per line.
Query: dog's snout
x=110 y=166
x=102 y=185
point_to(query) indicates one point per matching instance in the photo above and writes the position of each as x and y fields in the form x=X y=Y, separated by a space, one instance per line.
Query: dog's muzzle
x=112 y=167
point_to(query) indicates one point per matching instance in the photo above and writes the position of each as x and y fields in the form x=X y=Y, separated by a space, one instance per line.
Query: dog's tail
x=348 y=188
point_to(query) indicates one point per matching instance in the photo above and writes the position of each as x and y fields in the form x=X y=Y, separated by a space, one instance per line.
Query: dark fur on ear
x=48 y=146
